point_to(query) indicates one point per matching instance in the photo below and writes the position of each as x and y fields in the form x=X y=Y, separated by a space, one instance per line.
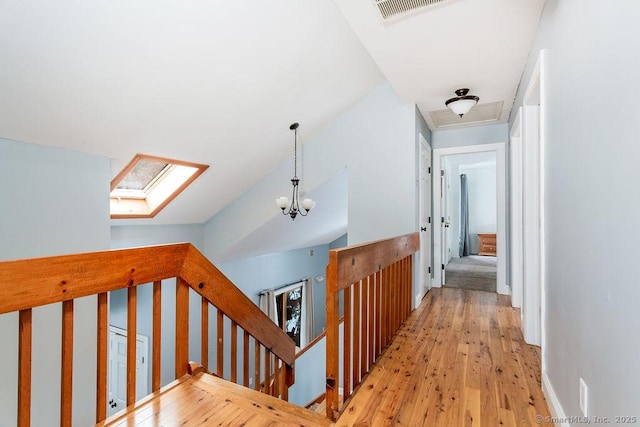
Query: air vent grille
x=391 y=8
x=489 y=112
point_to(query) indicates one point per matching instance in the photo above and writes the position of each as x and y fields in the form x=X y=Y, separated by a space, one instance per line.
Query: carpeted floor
x=472 y=272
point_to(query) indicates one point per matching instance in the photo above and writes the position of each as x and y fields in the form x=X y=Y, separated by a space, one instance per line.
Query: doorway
x=527 y=214
x=443 y=225
x=117 y=374
x=424 y=220
x=470 y=221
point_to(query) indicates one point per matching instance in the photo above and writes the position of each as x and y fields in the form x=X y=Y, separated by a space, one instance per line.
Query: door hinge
x=429 y=220
x=442 y=219
x=429 y=271
x=443 y=266
x=429 y=170
x=442 y=173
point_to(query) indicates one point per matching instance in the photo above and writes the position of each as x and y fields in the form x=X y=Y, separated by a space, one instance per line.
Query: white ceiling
x=426 y=55
x=219 y=81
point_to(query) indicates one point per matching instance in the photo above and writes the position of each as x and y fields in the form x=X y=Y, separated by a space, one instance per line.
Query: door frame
x=533 y=146
x=515 y=214
x=501 y=191
x=424 y=146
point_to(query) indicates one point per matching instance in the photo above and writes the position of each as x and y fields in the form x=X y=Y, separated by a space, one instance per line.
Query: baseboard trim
x=419 y=298
x=552 y=400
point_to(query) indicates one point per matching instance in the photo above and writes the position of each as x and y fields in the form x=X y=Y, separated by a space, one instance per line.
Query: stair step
x=203 y=398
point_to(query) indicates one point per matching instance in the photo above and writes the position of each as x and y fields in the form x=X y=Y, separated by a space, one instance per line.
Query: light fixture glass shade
x=462 y=103
x=282 y=202
x=308 y=204
x=462 y=106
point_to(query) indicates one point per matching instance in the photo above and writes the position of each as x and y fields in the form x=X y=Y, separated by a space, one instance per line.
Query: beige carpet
x=472 y=272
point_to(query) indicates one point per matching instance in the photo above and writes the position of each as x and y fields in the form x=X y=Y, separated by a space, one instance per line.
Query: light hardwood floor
x=459 y=360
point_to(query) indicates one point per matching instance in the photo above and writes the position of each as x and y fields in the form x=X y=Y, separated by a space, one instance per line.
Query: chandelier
x=293 y=207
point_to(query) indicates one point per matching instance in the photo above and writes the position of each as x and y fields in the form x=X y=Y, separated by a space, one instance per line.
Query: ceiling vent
x=489 y=112
x=390 y=8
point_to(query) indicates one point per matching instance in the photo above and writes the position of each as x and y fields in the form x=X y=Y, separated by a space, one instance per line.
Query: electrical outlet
x=311 y=252
x=584 y=398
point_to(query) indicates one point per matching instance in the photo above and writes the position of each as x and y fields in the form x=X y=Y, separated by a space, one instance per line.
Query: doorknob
x=111 y=402
x=423 y=228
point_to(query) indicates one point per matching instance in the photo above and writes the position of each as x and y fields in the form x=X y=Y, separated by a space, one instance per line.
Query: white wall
x=54 y=201
x=481 y=185
x=592 y=201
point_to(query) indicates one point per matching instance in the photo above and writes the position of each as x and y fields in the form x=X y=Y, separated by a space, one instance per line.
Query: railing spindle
x=66 y=388
x=346 y=366
x=24 y=368
x=204 y=333
x=276 y=376
x=267 y=371
x=256 y=366
x=131 y=344
x=364 y=324
x=220 y=352
x=371 y=293
x=182 y=328
x=156 y=345
x=101 y=363
x=356 y=335
x=245 y=360
x=378 y=312
x=234 y=351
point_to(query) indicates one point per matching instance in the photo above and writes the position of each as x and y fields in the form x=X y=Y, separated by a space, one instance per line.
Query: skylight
x=148 y=183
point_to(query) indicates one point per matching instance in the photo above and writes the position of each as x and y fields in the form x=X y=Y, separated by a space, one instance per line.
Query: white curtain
x=308 y=298
x=268 y=305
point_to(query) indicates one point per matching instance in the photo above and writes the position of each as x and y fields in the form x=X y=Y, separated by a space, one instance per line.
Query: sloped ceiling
x=215 y=82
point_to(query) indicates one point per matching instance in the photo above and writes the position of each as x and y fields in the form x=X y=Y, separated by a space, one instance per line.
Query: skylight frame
x=157 y=193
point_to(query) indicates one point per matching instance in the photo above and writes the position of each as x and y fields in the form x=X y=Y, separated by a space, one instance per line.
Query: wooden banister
x=376 y=284
x=61 y=279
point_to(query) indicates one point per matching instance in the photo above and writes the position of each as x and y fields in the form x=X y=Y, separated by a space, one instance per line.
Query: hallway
x=460 y=359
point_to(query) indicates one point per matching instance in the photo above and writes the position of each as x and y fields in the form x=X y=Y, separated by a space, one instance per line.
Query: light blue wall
x=127 y=236
x=340 y=242
x=487 y=134
x=54 y=202
x=255 y=274
x=592 y=200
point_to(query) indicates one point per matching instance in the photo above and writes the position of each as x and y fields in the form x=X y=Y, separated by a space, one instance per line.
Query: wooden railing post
x=24 y=368
x=182 y=327
x=66 y=387
x=332 y=336
x=102 y=356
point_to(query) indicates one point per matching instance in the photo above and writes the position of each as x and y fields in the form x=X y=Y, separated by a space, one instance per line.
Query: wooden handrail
x=61 y=279
x=376 y=281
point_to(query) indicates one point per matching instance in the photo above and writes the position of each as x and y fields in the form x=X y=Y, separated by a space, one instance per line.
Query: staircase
x=374 y=280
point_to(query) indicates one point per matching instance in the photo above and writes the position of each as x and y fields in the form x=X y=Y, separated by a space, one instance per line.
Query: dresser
x=487 y=244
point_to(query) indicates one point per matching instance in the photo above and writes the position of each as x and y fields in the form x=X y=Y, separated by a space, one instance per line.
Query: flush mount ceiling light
x=462 y=103
x=293 y=207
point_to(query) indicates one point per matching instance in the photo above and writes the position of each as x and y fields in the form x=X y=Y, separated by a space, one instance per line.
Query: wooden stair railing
x=376 y=284
x=26 y=284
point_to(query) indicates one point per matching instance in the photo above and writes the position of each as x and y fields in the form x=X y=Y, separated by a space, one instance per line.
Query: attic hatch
x=481 y=113
x=149 y=183
x=390 y=8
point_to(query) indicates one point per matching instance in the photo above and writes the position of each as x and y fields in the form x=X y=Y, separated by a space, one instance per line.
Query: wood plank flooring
x=204 y=400
x=459 y=360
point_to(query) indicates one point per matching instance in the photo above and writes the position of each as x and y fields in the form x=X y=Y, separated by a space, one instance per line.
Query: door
x=425 y=215
x=117 y=375
x=444 y=222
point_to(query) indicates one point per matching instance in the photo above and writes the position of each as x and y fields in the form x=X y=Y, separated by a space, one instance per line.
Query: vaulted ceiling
x=219 y=81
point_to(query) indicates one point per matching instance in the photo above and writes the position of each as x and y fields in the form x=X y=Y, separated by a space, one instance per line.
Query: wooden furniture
x=487 y=245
